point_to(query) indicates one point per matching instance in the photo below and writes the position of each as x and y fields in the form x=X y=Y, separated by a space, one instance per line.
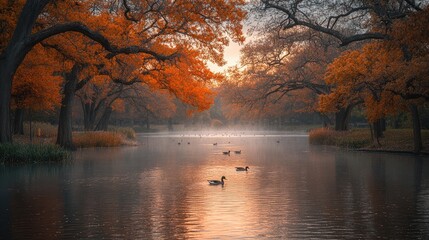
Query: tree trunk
x=383 y=124
x=89 y=114
x=5 y=94
x=18 y=125
x=31 y=126
x=104 y=120
x=342 y=118
x=64 y=136
x=417 y=135
x=11 y=58
x=377 y=131
x=326 y=120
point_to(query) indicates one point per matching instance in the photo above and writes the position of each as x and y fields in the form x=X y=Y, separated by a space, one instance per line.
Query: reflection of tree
x=377 y=189
x=35 y=204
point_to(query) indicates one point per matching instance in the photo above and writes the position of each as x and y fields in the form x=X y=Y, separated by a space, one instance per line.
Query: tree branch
x=97 y=37
x=345 y=40
x=128 y=11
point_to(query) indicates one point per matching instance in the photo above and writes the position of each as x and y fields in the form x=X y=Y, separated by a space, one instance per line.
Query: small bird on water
x=241 y=168
x=217 y=182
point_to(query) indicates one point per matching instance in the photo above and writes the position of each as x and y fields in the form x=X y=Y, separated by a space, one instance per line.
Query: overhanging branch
x=97 y=37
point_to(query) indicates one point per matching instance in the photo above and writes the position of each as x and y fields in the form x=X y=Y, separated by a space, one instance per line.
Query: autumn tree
x=35 y=86
x=280 y=69
x=154 y=27
x=346 y=21
x=360 y=76
x=380 y=76
x=148 y=104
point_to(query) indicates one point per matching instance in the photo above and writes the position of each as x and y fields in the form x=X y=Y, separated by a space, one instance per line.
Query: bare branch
x=127 y=12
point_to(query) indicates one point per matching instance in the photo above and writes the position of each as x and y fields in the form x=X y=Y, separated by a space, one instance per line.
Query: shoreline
x=422 y=153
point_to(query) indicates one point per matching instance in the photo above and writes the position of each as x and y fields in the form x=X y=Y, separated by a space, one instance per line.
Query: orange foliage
x=384 y=75
x=197 y=32
x=35 y=87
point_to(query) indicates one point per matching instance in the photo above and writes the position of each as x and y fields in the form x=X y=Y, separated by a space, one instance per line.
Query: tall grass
x=393 y=140
x=126 y=131
x=346 y=139
x=31 y=153
x=97 y=139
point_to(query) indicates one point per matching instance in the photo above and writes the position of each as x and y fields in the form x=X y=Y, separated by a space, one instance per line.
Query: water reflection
x=159 y=190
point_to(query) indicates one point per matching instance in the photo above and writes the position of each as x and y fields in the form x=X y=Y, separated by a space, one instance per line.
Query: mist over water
x=159 y=190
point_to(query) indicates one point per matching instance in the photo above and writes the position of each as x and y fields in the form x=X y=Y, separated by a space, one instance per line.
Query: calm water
x=159 y=190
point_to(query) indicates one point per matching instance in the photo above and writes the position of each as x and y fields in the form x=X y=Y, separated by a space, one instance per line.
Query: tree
x=153 y=24
x=280 y=69
x=380 y=76
x=347 y=21
x=148 y=104
x=361 y=76
x=35 y=87
x=369 y=20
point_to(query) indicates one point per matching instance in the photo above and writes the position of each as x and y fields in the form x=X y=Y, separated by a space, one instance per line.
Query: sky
x=231 y=56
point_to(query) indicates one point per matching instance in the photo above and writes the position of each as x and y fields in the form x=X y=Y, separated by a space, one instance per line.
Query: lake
x=159 y=190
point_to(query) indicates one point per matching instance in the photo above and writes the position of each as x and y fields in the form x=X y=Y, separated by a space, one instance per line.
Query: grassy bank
x=393 y=140
x=31 y=153
x=45 y=133
x=42 y=147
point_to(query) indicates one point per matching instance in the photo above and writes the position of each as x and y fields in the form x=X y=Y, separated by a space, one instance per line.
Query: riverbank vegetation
x=116 y=138
x=400 y=140
x=31 y=153
x=44 y=133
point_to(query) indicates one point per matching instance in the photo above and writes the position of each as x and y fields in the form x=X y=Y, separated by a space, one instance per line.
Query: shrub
x=31 y=153
x=97 y=139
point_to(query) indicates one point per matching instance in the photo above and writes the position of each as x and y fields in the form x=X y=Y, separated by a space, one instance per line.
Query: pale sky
x=231 y=56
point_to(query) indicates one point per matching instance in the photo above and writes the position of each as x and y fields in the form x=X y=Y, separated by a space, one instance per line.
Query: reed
x=346 y=139
x=126 y=131
x=97 y=139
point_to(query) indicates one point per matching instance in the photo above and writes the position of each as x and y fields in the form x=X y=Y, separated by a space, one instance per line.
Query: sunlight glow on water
x=159 y=190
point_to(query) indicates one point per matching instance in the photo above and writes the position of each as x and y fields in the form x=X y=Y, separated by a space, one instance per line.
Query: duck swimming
x=241 y=168
x=217 y=182
x=227 y=153
x=238 y=152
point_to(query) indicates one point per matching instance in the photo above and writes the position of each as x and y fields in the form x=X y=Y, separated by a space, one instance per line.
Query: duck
x=217 y=182
x=238 y=152
x=214 y=144
x=241 y=168
x=227 y=153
